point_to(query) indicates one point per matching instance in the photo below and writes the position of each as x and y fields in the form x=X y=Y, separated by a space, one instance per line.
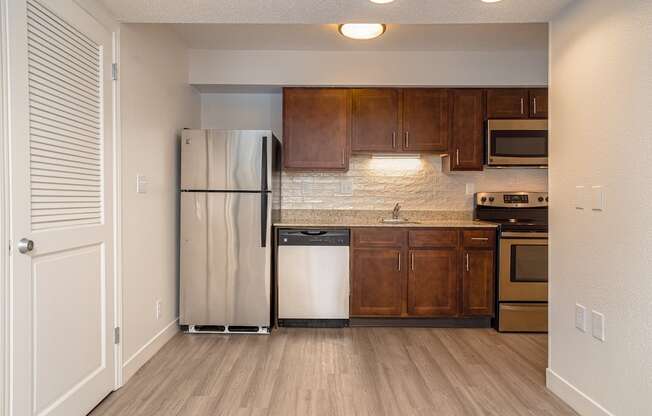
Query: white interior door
x=61 y=199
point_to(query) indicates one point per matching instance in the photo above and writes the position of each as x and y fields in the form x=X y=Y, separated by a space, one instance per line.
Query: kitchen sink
x=398 y=221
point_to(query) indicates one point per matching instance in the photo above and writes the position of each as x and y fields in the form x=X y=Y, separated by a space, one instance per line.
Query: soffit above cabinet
x=331 y=11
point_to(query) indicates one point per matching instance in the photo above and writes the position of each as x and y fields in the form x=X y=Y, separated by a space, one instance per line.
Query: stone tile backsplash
x=418 y=184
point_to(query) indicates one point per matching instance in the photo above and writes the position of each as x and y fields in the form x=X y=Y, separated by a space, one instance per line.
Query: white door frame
x=4 y=218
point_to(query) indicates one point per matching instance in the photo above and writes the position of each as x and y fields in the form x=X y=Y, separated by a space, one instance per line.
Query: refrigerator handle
x=263 y=218
x=263 y=171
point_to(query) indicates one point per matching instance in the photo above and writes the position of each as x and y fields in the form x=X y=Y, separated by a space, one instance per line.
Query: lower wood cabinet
x=379 y=278
x=432 y=282
x=478 y=282
x=425 y=273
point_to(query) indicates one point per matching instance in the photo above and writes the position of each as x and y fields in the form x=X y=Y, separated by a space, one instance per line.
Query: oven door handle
x=511 y=234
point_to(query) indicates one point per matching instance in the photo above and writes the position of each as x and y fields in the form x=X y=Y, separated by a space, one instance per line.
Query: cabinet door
x=539 y=103
x=467 y=141
x=316 y=128
x=433 y=282
x=478 y=282
x=376 y=120
x=426 y=119
x=377 y=281
x=507 y=103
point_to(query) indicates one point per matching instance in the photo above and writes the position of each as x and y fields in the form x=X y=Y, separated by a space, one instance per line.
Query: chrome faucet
x=395 y=211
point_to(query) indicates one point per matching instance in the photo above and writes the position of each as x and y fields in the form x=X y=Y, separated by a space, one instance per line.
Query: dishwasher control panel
x=314 y=237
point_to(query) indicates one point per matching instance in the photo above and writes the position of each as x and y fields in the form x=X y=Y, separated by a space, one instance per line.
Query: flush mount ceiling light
x=384 y=1
x=362 y=31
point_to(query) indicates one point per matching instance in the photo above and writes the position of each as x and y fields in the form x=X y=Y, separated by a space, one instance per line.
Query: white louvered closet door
x=62 y=194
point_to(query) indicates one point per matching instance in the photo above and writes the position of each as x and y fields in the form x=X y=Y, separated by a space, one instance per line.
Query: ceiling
x=333 y=11
x=448 y=37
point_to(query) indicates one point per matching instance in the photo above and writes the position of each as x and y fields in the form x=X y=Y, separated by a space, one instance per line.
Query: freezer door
x=225 y=259
x=226 y=160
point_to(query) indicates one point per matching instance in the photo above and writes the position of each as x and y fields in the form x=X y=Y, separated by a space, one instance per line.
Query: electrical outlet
x=579 y=197
x=158 y=309
x=470 y=188
x=597 y=325
x=580 y=317
x=597 y=198
x=141 y=184
x=346 y=187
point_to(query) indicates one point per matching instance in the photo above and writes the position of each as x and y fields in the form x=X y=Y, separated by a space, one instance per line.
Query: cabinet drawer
x=378 y=237
x=479 y=238
x=433 y=238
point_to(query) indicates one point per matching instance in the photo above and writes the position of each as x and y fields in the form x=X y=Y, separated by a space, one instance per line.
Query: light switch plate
x=580 y=317
x=141 y=184
x=597 y=325
x=579 y=197
x=597 y=198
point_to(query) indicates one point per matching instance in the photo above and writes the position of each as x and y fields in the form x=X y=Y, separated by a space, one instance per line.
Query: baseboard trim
x=570 y=394
x=147 y=351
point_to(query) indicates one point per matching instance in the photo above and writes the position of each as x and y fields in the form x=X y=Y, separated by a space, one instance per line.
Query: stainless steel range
x=522 y=257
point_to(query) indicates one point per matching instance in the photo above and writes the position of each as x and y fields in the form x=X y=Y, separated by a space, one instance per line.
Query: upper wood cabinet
x=432 y=282
x=467 y=137
x=539 y=103
x=376 y=120
x=316 y=128
x=426 y=119
x=507 y=103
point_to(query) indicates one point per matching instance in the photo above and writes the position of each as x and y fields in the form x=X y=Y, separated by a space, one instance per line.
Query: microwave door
x=517 y=143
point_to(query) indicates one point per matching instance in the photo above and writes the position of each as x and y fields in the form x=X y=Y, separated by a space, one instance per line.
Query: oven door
x=523 y=267
x=517 y=142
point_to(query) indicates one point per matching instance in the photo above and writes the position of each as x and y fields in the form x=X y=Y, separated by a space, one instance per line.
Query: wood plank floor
x=352 y=371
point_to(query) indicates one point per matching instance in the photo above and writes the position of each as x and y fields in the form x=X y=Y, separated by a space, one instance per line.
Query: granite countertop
x=359 y=218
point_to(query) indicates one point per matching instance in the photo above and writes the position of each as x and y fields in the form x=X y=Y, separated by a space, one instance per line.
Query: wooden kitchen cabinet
x=316 y=128
x=538 y=102
x=507 y=103
x=478 y=282
x=433 y=283
x=467 y=130
x=378 y=276
x=426 y=119
x=422 y=272
x=376 y=120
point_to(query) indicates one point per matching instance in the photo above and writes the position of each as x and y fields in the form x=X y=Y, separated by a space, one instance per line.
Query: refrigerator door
x=226 y=160
x=225 y=259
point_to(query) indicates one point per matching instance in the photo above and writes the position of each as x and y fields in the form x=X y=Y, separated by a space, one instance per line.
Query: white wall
x=243 y=111
x=601 y=134
x=458 y=68
x=156 y=103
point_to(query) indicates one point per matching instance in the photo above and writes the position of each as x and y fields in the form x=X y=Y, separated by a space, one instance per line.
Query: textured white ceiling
x=442 y=37
x=333 y=11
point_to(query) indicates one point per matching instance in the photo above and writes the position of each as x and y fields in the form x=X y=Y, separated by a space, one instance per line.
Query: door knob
x=25 y=245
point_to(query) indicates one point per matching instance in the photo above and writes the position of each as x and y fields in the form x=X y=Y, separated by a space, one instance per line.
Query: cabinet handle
x=480 y=238
x=522 y=105
x=535 y=105
x=343 y=157
x=393 y=140
x=407 y=139
x=399 y=261
x=457 y=157
x=467 y=262
x=412 y=261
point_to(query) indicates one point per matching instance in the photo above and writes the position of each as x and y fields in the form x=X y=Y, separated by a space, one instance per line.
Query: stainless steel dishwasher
x=313 y=277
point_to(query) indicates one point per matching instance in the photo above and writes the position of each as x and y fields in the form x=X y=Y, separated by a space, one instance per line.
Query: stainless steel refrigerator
x=230 y=195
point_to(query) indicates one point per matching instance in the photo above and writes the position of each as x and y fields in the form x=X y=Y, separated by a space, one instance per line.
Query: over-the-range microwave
x=517 y=143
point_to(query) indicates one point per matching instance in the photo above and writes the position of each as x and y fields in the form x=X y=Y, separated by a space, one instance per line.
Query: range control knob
x=540 y=199
x=491 y=199
x=483 y=199
x=546 y=199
